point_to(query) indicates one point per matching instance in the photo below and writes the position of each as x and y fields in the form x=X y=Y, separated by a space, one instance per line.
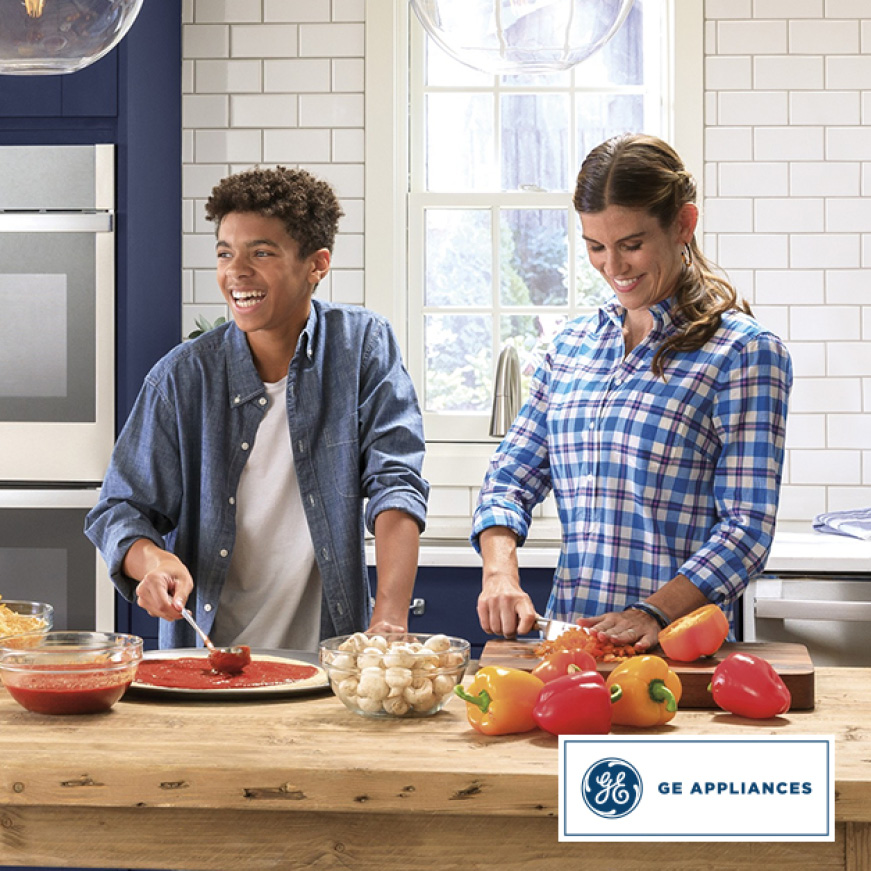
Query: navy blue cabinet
x=88 y=93
x=448 y=598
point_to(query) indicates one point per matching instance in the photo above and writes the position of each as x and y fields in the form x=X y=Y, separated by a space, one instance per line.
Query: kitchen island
x=304 y=783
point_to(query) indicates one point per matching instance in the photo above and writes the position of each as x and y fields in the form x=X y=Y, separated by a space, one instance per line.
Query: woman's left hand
x=624 y=627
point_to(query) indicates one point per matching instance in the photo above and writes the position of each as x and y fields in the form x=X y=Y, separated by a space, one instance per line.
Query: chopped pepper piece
x=699 y=633
x=749 y=686
x=500 y=700
x=651 y=691
x=577 y=703
x=557 y=664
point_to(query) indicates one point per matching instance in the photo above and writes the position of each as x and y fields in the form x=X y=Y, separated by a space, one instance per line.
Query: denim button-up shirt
x=357 y=435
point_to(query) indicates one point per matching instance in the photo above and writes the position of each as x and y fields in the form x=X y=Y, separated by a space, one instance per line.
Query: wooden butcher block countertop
x=302 y=782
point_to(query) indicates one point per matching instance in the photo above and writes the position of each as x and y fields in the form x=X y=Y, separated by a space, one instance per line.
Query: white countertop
x=797 y=548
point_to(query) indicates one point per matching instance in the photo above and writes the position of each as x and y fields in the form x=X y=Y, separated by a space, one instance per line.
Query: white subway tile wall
x=271 y=82
x=787 y=170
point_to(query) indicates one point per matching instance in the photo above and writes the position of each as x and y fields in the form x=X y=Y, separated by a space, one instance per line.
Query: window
x=471 y=239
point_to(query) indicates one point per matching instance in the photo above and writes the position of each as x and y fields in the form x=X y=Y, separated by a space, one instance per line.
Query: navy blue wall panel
x=149 y=195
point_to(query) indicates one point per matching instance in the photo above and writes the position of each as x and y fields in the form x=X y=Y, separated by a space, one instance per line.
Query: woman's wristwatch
x=651 y=611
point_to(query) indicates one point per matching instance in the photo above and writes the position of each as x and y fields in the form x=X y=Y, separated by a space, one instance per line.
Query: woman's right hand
x=503 y=608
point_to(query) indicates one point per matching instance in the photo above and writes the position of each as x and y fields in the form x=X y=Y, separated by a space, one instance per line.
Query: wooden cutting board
x=791 y=661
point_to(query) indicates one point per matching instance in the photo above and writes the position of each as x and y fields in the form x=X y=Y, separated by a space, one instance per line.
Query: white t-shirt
x=272 y=595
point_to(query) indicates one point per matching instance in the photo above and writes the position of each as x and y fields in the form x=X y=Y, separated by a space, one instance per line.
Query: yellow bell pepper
x=500 y=700
x=651 y=691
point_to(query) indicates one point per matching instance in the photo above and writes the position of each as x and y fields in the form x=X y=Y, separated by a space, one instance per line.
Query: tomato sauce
x=195 y=673
x=68 y=700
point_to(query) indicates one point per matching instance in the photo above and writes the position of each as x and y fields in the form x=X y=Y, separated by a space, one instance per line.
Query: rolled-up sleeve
x=391 y=431
x=518 y=476
x=750 y=419
x=141 y=492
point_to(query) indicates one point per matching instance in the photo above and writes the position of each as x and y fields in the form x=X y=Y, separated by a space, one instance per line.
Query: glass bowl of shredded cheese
x=18 y=617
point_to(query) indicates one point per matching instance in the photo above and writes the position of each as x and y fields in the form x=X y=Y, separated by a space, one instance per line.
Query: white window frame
x=387 y=231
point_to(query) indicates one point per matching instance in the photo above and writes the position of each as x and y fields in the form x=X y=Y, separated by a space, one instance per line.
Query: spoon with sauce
x=225 y=660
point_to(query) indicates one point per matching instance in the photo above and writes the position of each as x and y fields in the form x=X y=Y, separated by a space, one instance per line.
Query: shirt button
x=207 y=608
x=245 y=446
x=592 y=425
x=290 y=389
x=300 y=447
x=262 y=400
x=311 y=499
x=339 y=609
x=325 y=553
x=237 y=399
x=223 y=551
x=232 y=500
x=589 y=479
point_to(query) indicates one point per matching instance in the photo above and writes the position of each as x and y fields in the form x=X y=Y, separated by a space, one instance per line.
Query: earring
x=687 y=256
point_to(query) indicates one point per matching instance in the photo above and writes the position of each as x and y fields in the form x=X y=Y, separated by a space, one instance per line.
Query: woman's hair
x=307 y=206
x=636 y=171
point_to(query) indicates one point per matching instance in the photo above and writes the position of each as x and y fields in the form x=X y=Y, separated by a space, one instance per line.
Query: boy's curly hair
x=306 y=205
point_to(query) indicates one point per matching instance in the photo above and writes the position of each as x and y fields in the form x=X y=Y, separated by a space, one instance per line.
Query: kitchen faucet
x=506 y=392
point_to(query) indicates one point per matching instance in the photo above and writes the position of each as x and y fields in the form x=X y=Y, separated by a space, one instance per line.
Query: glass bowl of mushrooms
x=394 y=675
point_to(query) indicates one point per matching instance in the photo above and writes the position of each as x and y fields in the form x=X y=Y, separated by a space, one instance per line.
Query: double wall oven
x=57 y=383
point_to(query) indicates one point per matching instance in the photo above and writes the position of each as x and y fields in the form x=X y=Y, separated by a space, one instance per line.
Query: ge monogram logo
x=611 y=788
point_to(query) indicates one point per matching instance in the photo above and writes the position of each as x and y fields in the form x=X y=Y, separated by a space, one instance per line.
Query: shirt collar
x=244 y=380
x=664 y=313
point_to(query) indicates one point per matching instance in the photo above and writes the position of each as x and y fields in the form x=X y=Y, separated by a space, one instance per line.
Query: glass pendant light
x=514 y=37
x=45 y=37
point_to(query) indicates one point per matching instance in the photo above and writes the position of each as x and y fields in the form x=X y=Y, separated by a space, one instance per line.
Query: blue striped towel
x=855 y=523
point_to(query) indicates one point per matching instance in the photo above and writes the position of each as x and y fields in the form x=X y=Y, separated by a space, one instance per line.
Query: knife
x=551 y=629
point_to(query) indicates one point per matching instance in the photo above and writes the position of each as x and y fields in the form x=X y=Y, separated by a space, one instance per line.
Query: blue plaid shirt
x=652 y=476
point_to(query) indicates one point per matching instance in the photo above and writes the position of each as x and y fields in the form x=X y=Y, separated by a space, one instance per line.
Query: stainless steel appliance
x=57 y=382
x=45 y=557
x=57 y=287
x=828 y=613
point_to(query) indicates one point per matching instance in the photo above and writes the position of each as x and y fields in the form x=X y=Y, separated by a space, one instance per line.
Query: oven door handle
x=56 y=222
x=812 y=609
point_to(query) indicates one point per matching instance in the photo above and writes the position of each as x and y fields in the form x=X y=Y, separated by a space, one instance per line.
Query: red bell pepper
x=557 y=664
x=578 y=703
x=699 y=633
x=749 y=686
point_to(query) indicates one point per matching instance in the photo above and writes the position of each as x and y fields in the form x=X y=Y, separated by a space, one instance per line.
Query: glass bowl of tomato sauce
x=68 y=672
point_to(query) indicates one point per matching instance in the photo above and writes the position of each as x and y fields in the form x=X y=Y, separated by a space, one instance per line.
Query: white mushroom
x=398 y=707
x=452 y=659
x=370 y=657
x=370 y=706
x=379 y=642
x=419 y=692
x=443 y=684
x=347 y=687
x=399 y=655
x=344 y=662
x=398 y=678
x=372 y=684
x=439 y=643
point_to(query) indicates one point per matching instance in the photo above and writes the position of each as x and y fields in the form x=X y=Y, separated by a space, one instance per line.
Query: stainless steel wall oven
x=57 y=373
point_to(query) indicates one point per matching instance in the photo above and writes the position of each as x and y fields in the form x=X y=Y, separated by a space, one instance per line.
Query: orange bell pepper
x=699 y=633
x=500 y=700
x=651 y=692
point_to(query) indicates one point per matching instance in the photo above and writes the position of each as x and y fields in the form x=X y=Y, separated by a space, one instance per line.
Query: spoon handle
x=189 y=617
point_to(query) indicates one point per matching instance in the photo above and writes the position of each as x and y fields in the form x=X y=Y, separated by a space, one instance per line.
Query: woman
x=658 y=422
